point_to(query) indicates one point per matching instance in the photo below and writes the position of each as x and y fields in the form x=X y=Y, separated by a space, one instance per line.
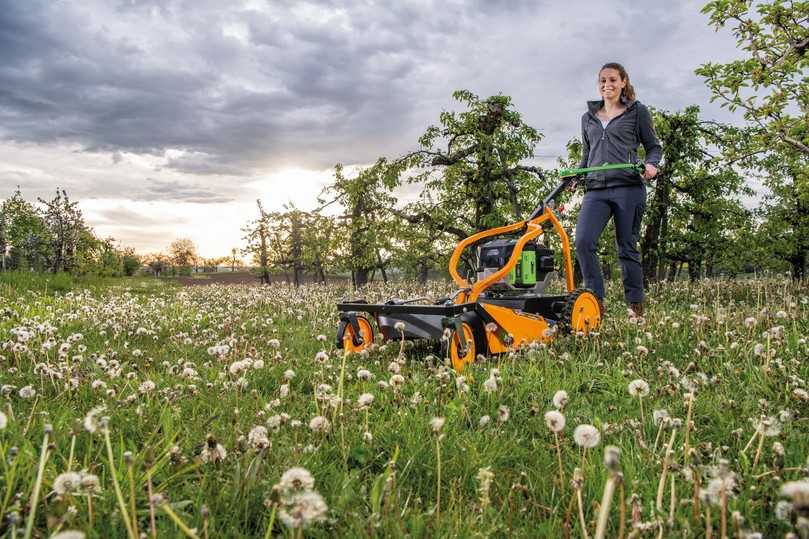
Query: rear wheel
x=463 y=349
x=582 y=312
x=366 y=332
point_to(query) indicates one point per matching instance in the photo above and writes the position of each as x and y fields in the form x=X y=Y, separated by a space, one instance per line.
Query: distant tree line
x=51 y=235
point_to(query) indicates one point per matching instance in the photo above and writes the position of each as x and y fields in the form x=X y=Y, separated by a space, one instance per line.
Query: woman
x=612 y=129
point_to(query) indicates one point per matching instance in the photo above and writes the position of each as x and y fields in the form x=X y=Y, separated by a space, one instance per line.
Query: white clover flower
x=303 y=509
x=638 y=388
x=555 y=420
x=586 y=436
x=365 y=400
x=257 y=438
x=436 y=424
x=560 y=399
x=296 y=480
x=319 y=424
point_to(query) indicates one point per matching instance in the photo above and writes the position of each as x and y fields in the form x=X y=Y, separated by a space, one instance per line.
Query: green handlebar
x=571 y=172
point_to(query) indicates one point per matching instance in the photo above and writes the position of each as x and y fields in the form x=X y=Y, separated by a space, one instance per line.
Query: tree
x=257 y=235
x=471 y=173
x=367 y=221
x=24 y=235
x=66 y=225
x=157 y=263
x=770 y=86
x=183 y=254
x=130 y=261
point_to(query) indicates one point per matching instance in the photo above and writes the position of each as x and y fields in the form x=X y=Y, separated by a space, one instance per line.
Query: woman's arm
x=648 y=137
x=585 y=145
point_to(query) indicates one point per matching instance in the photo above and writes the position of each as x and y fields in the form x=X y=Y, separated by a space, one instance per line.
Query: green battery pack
x=525 y=272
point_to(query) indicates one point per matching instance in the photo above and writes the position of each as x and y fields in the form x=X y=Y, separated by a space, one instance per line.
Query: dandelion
x=503 y=413
x=257 y=438
x=364 y=401
x=364 y=375
x=67 y=483
x=322 y=356
x=556 y=423
x=296 y=480
x=69 y=534
x=800 y=394
x=319 y=424
x=798 y=491
x=303 y=509
x=399 y=326
x=639 y=388
x=612 y=462
x=213 y=452
x=490 y=385
x=586 y=436
x=367 y=437
x=436 y=424
x=560 y=399
x=27 y=392
x=396 y=381
x=484 y=420
x=91 y=422
x=289 y=374
x=485 y=478
x=3 y=421
x=749 y=322
x=146 y=387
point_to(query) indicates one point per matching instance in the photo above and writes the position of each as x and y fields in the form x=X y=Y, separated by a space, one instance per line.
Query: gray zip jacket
x=617 y=143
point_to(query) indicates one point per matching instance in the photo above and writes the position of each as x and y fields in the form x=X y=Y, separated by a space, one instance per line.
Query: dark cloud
x=176 y=191
x=245 y=86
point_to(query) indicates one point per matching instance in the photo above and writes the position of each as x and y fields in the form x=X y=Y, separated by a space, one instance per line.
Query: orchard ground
x=136 y=407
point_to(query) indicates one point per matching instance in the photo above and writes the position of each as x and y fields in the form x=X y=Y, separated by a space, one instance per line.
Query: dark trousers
x=626 y=205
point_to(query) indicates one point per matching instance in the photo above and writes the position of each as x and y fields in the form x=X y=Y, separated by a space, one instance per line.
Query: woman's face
x=610 y=83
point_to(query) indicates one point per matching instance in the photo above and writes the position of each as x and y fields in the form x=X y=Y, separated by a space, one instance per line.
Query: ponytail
x=628 y=91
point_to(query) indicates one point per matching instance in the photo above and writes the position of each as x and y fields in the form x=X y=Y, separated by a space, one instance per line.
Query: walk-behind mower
x=504 y=308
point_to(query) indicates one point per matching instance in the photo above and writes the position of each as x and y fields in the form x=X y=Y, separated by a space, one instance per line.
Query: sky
x=169 y=118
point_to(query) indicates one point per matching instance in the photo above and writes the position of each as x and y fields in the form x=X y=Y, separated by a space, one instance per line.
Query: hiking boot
x=637 y=309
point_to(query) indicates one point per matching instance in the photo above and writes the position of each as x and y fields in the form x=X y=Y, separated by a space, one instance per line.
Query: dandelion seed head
x=319 y=424
x=296 y=480
x=560 y=399
x=302 y=510
x=586 y=436
x=555 y=420
x=638 y=388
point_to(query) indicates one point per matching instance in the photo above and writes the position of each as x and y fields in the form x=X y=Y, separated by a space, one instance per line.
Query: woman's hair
x=628 y=91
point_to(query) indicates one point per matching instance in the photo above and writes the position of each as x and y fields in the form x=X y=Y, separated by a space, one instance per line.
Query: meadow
x=134 y=408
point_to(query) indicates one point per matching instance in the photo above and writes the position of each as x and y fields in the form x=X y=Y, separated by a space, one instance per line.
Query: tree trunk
x=360 y=277
x=654 y=237
x=694 y=267
x=423 y=271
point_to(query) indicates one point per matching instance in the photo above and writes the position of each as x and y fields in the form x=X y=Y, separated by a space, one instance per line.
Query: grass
x=107 y=341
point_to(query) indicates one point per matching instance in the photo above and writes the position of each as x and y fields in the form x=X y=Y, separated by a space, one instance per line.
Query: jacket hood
x=595 y=106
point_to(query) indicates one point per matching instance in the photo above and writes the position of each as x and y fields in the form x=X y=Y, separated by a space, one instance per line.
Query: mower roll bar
x=534 y=226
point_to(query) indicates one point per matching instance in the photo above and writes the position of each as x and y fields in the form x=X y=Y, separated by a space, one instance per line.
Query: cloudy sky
x=170 y=118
